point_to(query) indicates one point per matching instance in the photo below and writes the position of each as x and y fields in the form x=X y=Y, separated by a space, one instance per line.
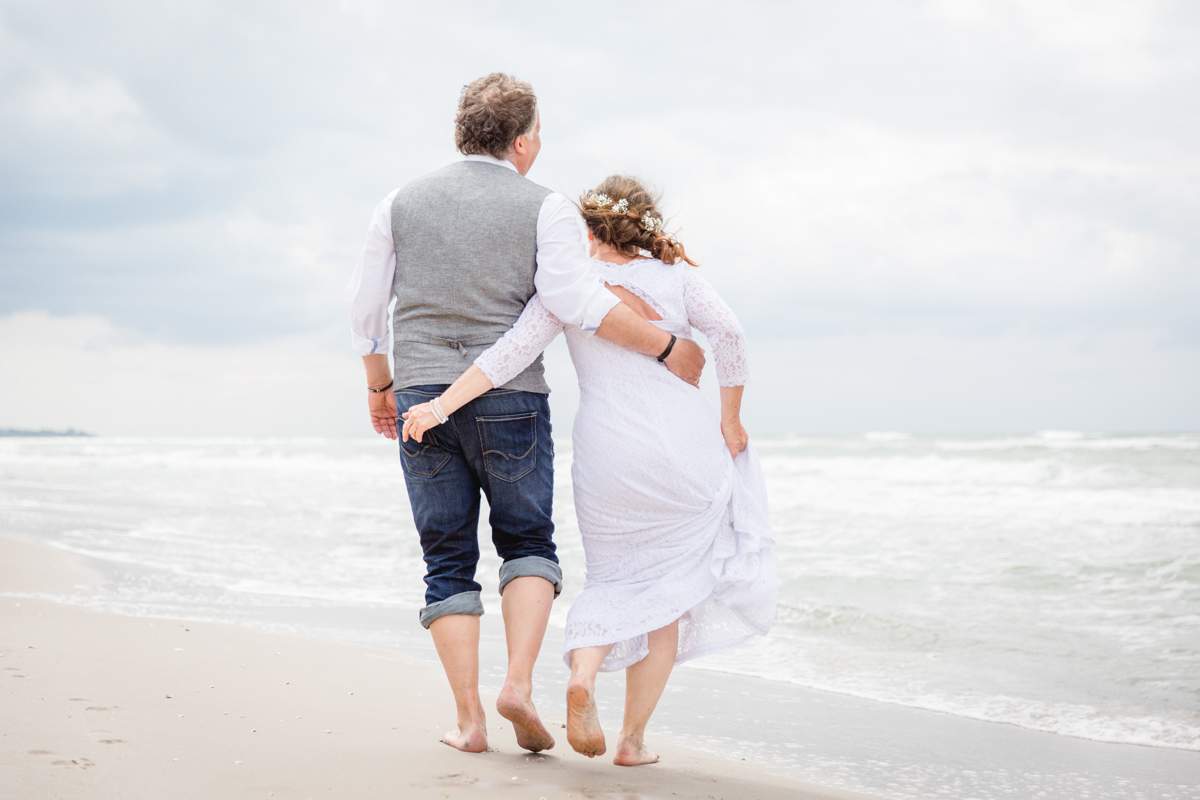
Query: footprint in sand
x=99 y=708
x=457 y=779
x=12 y=669
x=77 y=699
x=112 y=741
x=40 y=753
x=82 y=763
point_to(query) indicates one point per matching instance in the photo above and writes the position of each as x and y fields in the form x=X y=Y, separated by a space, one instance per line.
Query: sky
x=931 y=217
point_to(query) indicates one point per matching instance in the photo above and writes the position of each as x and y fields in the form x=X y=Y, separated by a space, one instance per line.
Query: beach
x=935 y=254
x=99 y=705
x=972 y=617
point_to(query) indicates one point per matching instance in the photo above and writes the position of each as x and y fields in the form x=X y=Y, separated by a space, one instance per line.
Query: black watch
x=667 y=352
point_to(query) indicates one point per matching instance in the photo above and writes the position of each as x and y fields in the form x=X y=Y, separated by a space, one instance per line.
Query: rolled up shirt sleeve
x=564 y=279
x=371 y=291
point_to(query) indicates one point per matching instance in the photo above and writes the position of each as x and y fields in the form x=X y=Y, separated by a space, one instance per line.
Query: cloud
x=83 y=372
x=1105 y=42
x=200 y=176
x=825 y=222
x=1024 y=380
x=77 y=132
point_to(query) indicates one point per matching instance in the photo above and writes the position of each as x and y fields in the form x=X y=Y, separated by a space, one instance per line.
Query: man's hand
x=686 y=361
x=626 y=327
x=382 y=407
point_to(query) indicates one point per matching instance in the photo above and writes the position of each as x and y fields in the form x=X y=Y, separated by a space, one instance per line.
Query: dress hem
x=673 y=617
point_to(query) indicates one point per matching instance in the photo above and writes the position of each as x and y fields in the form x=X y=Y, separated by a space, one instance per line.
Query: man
x=461 y=251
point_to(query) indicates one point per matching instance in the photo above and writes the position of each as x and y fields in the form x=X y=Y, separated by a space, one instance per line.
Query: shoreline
x=100 y=704
x=729 y=735
x=313 y=538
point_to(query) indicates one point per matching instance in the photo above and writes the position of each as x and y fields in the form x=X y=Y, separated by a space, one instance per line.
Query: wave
x=1035 y=579
x=1079 y=721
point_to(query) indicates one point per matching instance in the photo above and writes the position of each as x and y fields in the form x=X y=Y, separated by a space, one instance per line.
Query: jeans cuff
x=534 y=566
x=461 y=603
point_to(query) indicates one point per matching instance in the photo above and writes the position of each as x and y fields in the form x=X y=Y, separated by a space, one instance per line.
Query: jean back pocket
x=422 y=459
x=509 y=445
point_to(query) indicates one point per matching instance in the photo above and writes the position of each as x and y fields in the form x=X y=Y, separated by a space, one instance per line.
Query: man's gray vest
x=466 y=243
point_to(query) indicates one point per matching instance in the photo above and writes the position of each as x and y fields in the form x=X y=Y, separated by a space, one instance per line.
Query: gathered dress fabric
x=672 y=526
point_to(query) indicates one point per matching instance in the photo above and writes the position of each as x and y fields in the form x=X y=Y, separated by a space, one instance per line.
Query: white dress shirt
x=564 y=278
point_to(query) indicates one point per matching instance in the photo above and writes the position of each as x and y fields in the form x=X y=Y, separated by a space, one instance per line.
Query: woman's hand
x=735 y=435
x=417 y=420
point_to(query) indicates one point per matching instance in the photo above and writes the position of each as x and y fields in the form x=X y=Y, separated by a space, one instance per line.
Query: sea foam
x=1049 y=580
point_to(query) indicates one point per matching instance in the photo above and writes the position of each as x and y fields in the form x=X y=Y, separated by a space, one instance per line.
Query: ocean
x=1048 y=581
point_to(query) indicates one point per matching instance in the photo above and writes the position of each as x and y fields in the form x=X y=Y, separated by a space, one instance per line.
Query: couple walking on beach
x=486 y=268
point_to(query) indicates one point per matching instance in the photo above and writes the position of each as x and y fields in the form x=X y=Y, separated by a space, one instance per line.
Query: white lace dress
x=673 y=528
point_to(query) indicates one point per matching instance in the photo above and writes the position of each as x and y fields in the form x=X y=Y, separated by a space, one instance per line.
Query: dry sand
x=97 y=705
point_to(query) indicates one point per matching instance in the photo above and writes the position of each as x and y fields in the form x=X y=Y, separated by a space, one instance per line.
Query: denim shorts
x=499 y=444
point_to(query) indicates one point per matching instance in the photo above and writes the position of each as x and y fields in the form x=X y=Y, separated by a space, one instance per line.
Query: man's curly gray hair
x=492 y=112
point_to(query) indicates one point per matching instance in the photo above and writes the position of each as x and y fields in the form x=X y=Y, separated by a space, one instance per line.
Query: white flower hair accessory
x=622 y=206
x=599 y=200
x=652 y=224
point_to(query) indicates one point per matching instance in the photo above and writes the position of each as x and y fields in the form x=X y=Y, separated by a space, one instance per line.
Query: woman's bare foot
x=471 y=736
x=518 y=709
x=583 y=726
x=632 y=752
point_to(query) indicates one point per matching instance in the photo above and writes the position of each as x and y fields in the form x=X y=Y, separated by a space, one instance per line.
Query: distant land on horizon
x=20 y=432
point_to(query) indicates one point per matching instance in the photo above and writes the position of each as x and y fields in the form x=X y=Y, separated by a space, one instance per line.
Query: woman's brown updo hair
x=623 y=214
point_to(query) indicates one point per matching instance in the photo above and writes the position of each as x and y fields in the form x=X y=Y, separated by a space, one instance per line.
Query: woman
x=670 y=498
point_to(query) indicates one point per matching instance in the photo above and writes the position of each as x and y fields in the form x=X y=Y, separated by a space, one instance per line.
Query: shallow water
x=1048 y=581
x=1051 y=581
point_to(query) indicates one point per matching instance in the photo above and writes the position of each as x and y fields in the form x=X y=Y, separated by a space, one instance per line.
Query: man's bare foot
x=518 y=709
x=633 y=753
x=471 y=736
x=472 y=740
x=583 y=726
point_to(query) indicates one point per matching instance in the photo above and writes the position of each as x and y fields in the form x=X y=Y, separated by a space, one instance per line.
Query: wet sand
x=96 y=705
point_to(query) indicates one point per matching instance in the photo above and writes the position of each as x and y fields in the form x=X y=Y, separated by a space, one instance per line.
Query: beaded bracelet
x=438 y=414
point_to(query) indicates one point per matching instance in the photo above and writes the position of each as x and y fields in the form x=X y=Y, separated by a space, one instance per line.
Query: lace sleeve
x=708 y=312
x=516 y=350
